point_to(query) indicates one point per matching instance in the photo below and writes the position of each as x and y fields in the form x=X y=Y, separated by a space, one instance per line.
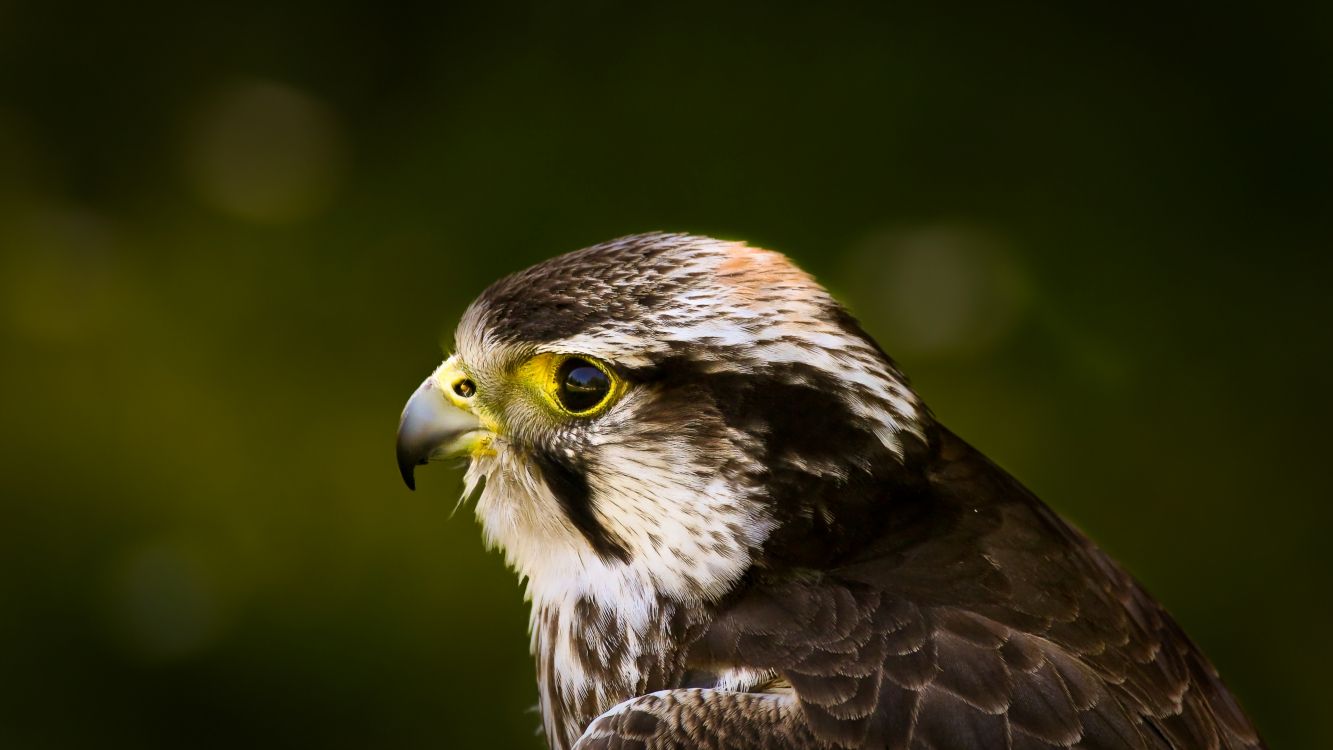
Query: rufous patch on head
x=756 y=274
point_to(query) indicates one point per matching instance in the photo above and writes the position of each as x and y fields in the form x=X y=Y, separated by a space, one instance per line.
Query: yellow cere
x=446 y=375
x=479 y=441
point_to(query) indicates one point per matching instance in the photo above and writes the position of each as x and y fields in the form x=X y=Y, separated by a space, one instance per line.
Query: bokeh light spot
x=941 y=291
x=264 y=152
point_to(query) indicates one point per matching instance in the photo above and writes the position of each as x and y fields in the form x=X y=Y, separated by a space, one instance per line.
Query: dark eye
x=581 y=385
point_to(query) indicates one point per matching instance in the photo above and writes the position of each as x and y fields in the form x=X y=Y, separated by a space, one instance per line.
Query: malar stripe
x=569 y=484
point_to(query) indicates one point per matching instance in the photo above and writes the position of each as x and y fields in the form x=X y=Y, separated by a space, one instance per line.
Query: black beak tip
x=407 y=466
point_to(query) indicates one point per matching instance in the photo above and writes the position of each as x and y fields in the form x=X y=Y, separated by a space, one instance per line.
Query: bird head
x=663 y=412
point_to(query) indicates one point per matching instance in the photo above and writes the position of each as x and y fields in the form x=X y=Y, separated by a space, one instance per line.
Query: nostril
x=465 y=388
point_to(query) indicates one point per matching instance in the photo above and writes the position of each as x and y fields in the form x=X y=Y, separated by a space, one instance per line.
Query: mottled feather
x=769 y=542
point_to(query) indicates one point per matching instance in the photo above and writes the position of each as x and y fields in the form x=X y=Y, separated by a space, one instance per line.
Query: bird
x=738 y=526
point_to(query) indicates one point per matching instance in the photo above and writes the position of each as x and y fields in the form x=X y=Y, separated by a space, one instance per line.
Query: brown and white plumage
x=761 y=538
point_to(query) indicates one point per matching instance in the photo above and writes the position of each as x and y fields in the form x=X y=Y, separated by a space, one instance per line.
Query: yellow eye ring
x=581 y=386
x=573 y=384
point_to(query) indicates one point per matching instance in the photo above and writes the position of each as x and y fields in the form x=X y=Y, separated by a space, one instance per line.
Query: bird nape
x=740 y=527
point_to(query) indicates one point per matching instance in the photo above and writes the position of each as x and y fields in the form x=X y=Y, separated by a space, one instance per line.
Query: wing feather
x=982 y=620
x=979 y=620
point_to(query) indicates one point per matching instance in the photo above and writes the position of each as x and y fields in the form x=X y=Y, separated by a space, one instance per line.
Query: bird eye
x=581 y=386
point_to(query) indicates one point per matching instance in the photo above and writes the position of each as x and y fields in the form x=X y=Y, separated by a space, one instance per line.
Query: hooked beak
x=432 y=427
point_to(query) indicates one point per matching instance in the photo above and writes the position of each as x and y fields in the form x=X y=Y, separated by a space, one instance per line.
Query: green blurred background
x=235 y=236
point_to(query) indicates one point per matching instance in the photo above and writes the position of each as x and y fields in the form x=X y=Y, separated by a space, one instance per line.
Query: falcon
x=739 y=527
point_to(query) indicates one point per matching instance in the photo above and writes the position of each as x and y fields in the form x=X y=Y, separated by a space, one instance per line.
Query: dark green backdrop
x=234 y=237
